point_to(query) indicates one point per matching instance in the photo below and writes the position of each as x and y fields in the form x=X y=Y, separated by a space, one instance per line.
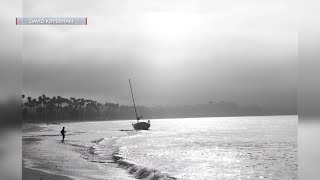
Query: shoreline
x=101 y=151
x=29 y=173
x=45 y=157
x=78 y=121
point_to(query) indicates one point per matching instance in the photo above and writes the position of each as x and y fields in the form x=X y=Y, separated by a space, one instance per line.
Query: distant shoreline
x=76 y=121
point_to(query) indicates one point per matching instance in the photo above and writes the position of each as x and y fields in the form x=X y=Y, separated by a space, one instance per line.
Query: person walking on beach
x=63 y=133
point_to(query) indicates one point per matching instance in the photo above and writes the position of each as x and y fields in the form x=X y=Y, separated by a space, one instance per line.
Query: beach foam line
x=100 y=151
x=105 y=151
x=97 y=141
x=140 y=172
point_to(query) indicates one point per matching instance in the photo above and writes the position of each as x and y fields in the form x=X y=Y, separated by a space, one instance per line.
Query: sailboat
x=139 y=125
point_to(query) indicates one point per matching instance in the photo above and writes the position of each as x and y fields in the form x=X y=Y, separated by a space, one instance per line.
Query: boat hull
x=141 y=126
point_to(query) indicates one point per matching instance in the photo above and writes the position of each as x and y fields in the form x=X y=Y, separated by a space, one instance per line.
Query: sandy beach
x=45 y=156
x=31 y=174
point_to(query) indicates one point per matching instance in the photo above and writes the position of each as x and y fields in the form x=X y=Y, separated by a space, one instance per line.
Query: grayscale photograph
x=159 y=90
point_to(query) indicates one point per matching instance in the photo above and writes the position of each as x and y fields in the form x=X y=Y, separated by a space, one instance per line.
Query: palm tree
x=22 y=101
x=40 y=107
x=59 y=105
x=54 y=106
x=29 y=104
x=64 y=104
x=44 y=106
x=82 y=103
x=24 y=110
x=34 y=103
x=50 y=107
x=74 y=107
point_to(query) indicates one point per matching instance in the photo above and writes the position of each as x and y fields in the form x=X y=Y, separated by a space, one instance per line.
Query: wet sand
x=46 y=157
x=31 y=174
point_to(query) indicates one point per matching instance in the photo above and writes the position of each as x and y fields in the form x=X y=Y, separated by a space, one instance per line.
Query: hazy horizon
x=176 y=53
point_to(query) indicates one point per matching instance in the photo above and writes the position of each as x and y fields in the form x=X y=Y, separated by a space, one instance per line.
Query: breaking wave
x=104 y=151
x=140 y=172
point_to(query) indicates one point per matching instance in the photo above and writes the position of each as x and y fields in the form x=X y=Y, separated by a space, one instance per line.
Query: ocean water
x=261 y=147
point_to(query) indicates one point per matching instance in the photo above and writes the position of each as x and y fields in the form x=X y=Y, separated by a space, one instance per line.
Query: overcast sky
x=176 y=52
x=10 y=51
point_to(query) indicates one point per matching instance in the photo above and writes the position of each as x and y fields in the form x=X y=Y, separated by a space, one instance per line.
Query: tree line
x=46 y=109
x=57 y=108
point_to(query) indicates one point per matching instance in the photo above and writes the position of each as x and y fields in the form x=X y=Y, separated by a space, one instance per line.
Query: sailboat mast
x=134 y=104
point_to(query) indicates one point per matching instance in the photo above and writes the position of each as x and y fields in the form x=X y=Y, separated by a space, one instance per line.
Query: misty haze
x=212 y=91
